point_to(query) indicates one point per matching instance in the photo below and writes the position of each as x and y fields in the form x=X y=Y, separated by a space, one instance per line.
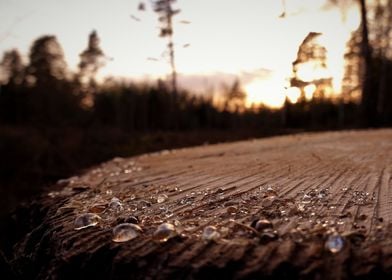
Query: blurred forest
x=55 y=122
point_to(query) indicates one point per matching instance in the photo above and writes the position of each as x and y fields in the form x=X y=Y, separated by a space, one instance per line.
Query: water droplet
x=268 y=201
x=300 y=207
x=169 y=214
x=164 y=232
x=231 y=210
x=296 y=236
x=143 y=204
x=116 y=205
x=362 y=217
x=125 y=232
x=334 y=243
x=128 y=219
x=210 y=233
x=268 y=235
x=270 y=192
x=306 y=199
x=177 y=223
x=162 y=198
x=86 y=220
x=132 y=207
x=263 y=224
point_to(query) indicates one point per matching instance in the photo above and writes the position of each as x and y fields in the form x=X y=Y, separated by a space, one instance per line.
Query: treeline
x=54 y=122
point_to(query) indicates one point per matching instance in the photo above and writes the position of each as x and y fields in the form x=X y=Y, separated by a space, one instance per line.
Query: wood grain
x=347 y=176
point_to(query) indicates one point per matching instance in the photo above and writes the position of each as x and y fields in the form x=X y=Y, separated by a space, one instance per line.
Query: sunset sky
x=227 y=38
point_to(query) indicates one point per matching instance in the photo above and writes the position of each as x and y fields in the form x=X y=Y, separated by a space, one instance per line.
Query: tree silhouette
x=234 y=97
x=353 y=69
x=310 y=67
x=165 y=11
x=47 y=62
x=54 y=99
x=12 y=68
x=368 y=61
x=92 y=58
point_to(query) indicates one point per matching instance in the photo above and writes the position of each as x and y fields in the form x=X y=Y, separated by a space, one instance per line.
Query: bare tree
x=165 y=11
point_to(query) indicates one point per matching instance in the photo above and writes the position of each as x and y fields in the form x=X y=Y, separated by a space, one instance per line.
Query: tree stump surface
x=311 y=187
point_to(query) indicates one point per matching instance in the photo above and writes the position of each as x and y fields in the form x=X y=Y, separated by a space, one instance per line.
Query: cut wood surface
x=310 y=187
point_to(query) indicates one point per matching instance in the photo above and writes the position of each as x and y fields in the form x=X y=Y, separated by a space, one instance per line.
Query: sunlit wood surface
x=309 y=186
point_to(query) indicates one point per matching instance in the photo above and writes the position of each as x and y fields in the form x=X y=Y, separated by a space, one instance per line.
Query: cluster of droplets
x=315 y=196
x=362 y=198
x=154 y=212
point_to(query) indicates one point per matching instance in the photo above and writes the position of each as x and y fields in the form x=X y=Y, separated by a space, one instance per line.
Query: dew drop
x=86 y=220
x=125 y=232
x=210 y=233
x=334 y=243
x=162 y=198
x=164 y=232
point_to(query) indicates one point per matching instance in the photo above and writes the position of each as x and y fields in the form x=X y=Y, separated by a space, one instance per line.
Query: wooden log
x=312 y=188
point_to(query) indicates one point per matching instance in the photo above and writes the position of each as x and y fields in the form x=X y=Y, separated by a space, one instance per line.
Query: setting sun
x=266 y=92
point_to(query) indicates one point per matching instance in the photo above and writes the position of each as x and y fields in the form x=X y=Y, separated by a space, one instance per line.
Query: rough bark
x=307 y=185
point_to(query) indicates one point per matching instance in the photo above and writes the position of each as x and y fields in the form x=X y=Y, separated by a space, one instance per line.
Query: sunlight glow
x=267 y=92
x=293 y=94
x=310 y=71
x=309 y=91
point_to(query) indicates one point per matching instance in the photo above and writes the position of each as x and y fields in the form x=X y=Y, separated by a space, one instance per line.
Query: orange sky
x=228 y=38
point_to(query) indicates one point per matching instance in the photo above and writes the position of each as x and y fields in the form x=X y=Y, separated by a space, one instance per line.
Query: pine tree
x=92 y=58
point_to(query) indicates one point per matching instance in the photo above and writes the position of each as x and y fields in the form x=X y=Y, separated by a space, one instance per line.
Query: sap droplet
x=210 y=233
x=125 y=232
x=86 y=220
x=162 y=198
x=334 y=243
x=164 y=232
